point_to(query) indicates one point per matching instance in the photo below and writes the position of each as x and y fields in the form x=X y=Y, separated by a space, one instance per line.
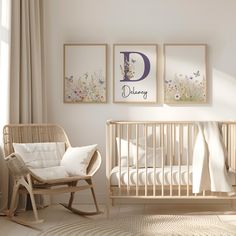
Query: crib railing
x=161 y=153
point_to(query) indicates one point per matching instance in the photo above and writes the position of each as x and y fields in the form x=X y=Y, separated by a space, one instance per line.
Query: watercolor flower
x=86 y=87
x=177 y=96
x=185 y=87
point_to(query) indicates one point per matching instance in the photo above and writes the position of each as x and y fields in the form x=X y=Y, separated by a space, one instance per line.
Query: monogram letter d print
x=135 y=73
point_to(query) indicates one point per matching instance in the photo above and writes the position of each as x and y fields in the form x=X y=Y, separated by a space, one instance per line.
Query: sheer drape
x=27 y=72
x=5 y=25
x=27 y=90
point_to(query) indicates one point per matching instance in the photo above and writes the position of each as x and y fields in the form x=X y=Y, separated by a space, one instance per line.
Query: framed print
x=85 y=73
x=185 y=79
x=134 y=73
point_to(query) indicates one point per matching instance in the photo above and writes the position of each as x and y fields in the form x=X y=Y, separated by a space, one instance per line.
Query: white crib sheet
x=158 y=179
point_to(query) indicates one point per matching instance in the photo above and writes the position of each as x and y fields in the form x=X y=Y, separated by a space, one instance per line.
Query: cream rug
x=146 y=225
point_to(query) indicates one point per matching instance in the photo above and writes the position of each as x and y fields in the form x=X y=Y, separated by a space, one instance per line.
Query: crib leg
x=232 y=205
x=108 y=205
x=108 y=210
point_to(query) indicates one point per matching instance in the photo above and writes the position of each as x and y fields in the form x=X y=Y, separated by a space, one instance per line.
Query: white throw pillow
x=76 y=159
x=40 y=155
x=124 y=151
x=141 y=156
x=141 y=153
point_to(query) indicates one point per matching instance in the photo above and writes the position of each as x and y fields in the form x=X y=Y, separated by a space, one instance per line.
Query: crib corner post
x=108 y=168
x=110 y=125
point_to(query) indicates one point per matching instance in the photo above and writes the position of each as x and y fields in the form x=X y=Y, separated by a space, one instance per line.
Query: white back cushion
x=40 y=155
x=76 y=159
x=123 y=153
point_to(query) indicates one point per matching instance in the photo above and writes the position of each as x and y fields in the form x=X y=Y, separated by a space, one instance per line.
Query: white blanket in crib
x=209 y=155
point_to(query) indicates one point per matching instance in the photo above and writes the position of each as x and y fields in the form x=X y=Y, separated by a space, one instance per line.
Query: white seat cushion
x=76 y=159
x=40 y=155
x=50 y=173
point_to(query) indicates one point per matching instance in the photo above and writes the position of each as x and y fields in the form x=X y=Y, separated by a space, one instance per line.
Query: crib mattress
x=176 y=179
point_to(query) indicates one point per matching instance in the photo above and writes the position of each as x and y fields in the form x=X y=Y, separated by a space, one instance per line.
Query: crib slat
x=180 y=155
x=188 y=155
x=174 y=144
x=232 y=163
x=171 y=153
x=137 y=155
x=162 y=158
x=229 y=143
x=234 y=136
x=145 y=135
x=119 y=157
x=232 y=144
x=128 y=158
x=108 y=160
x=154 y=158
x=234 y=157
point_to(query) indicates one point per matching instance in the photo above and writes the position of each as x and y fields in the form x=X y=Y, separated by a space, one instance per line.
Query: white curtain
x=27 y=100
x=5 y=25
x=27 y=86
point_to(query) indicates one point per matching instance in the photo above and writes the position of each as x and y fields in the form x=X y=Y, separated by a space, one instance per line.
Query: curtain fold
x=5 y=30
x=27 y=71
x=27 y=85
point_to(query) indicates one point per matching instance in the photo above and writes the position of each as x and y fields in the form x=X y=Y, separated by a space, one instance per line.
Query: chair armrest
x=94 y=164
x=16 y=165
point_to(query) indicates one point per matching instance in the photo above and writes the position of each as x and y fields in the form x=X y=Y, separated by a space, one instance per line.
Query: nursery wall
x=139 y=21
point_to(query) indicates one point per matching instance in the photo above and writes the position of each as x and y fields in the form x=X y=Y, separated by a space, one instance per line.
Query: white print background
x=148 y=84
x=184 y=60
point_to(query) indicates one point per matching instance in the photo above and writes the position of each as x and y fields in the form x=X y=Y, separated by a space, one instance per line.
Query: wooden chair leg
x=71 y=199
x=13 y=205
x=28 y=187
x=76 y=211
x=89 y=181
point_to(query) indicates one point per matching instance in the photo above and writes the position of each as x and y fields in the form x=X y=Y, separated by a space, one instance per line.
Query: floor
x=56 y=215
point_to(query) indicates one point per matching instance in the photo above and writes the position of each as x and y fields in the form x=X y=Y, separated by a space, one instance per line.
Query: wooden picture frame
x=185 y=79
x=85 y=71
x=135 y=73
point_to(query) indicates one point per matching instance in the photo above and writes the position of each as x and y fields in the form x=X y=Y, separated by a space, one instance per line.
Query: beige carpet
x=146 y=225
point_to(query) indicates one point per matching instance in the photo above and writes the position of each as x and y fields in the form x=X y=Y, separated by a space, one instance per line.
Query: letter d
x=126 y=70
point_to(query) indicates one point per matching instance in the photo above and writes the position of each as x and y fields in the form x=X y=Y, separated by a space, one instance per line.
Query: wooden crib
x=153 y=160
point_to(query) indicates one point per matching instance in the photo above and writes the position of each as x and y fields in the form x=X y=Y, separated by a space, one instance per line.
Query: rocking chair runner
x=25 y=179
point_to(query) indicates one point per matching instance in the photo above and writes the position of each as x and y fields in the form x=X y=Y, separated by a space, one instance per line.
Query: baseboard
x=86 y=198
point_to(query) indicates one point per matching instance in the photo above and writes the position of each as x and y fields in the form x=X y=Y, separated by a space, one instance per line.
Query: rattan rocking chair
x=27 y=182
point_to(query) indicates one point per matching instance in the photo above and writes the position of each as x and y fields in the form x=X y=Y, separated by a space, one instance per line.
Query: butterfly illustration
x=101 y=81
x=196 y=74
x=70 y=79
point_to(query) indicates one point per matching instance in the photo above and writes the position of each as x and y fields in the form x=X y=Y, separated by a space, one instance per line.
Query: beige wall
x=139 y=21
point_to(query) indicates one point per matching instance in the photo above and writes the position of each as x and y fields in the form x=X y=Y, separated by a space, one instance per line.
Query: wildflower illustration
x=186 y=88
x=88 y=87
x=128 y=70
